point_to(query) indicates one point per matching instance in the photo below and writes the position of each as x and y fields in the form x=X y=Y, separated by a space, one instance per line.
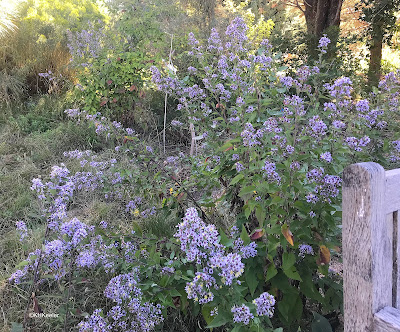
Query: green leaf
x=288 y=260
x=271 y=271
x=225 y=146
x=247 y=190
x=251 y=280
x=206 y=312
x=320 y=324
x=245 y=236
x=261 y=215
x=136 y=227
x=225 y=240
x=219 y=320
x=307 y=287
x=291 y=307
x=292 y=273
x=247 y=212
x=174 y=292
x=236 y=179
x=22 y=264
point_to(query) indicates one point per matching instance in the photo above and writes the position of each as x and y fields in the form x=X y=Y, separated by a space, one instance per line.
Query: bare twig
x=296 y=4
x=36 y=274
x=193 y=140
x=166 y=94
x=71 y=272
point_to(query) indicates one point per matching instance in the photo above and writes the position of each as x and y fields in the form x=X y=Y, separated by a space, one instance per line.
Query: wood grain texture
x=392 y=192
x=396 y=261
x=367 y=251
x=387 y=320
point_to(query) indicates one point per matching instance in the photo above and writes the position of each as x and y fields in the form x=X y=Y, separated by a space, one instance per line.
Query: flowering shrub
x=110 y=76
x=272 y=145
x=208 y=268
x=277 y=143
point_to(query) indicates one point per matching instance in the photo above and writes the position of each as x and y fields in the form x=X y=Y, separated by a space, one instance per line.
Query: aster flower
x=265 y=305
x=305 y=249
x=323 y=43
x=239 y=167
x=326 y=156
x=199 y=289
x=22 y=229
x=242 y=314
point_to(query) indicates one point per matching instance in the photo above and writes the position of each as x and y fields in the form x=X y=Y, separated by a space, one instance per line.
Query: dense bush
x=268 y=150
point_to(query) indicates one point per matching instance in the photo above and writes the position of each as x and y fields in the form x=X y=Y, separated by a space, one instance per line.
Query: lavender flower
x=269 y=171
x=242 y=314
x=323 y=43
x=200 y=288
x=239 y=167
x=326 y=156
x=22 y=229
x=235 y=156
x=305 y=249
x=265 y=304
x=176 y=123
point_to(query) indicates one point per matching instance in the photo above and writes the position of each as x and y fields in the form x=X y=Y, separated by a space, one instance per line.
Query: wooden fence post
x=367 y=246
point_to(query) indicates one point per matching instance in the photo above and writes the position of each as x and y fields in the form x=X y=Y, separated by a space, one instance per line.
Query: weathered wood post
x=367 y=247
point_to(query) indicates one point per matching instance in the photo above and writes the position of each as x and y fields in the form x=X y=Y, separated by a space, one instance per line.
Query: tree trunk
x=375 y=56
x=322 y=16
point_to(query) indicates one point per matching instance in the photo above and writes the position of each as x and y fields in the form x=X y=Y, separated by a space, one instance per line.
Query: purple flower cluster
x=323 y=43
x=326 y=156
x=239 y=167
x=269 y=171
x=242 y=314
x=357 y=143
x=245 y=251
x=22 y=229
x=220 y=267
x=317 y=127
x=198 y=240
x=305 y=249
x=265 y=304
x=327 y=186
x=85 y=45
x=295 y=103
x=230 y=266
x=341 y=88
x=200 y=288
x=130 y=313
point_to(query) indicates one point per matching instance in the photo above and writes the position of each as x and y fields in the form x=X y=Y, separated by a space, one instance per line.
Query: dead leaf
x=287 y=234
x=36 y=307
x=177 y=301
x=257 y=234
x=324 y=255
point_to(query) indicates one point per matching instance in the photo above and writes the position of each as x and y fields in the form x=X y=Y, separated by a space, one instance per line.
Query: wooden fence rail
x=371 y=248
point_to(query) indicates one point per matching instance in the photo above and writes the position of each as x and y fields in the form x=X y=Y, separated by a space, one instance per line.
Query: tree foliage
x=381 y=19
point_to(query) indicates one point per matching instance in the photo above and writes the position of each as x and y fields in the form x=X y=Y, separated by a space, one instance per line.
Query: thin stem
x=71 y=272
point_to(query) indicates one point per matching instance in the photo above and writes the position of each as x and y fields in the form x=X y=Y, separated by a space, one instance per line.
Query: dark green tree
x=380 y=14
x=322 y=17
